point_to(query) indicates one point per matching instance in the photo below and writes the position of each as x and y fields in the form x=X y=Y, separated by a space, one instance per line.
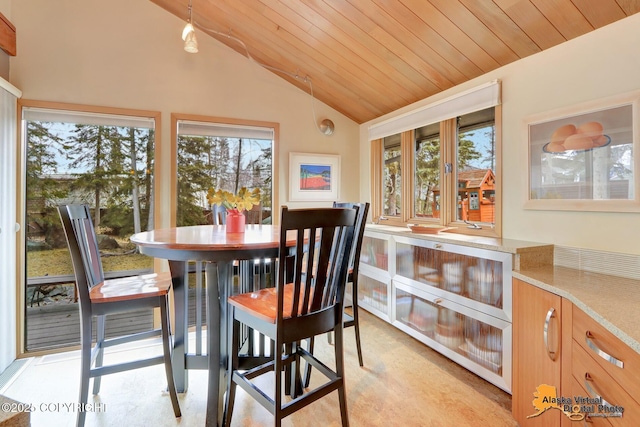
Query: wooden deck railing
x=58 y=324
x=65 y=279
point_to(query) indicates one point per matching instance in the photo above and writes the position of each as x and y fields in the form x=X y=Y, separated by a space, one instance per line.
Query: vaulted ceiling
x=366 y=58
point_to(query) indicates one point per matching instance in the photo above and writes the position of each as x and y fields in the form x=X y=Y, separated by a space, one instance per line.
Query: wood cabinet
x=606 y=369
x=537 y=351
x=576 y=389
x=557 y=344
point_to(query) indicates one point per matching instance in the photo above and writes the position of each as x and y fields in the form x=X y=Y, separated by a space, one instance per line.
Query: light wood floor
x=403 y=383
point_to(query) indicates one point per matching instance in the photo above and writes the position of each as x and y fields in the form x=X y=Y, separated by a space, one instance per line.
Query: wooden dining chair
x=99 y=297
x=251 y=274
x=309 y=304
x=352 y=318
x=219 y=214
x=254 y=215
x=255 y=274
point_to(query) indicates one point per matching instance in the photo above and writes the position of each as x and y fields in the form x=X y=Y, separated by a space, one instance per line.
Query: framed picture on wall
x=585 y=157
x=314 y=177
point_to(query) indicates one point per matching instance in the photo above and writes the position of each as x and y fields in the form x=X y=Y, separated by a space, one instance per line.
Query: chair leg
x=85 y=366
x=295 y=381
x=166 y=346
x=307 y=368
x=342 y=396
x=100 y=335
x=277 y=371
x=234 y=344
x=287 y=378
x=356 y=326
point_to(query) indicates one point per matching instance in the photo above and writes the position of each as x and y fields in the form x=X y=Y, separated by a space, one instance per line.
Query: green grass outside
x=56 y=262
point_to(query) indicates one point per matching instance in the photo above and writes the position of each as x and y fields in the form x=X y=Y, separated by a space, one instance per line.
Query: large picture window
x=227 y=156
x=444 y=172
x=101 y=157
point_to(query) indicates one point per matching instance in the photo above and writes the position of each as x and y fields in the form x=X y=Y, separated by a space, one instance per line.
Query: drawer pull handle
x=437 y=301
x=437 y=246
x=550 y=314
x=606 y=356
x=588 y=380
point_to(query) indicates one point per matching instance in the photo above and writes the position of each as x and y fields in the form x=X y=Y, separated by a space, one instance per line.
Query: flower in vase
x=244 y=199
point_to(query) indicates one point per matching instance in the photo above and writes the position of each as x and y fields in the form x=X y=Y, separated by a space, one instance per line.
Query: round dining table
x=217 y=250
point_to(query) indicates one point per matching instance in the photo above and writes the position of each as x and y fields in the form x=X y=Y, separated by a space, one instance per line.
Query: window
x=103 y=158
x=444 y=172
x=392 y=175
x=427 y=172
x=476 y=167
x=225 y=156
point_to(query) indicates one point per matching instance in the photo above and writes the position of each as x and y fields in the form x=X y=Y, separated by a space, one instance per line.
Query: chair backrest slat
x=361 y=222
x=83 y=248
x=324 y=238
x=254 y=215
x=89 y=250
x=219 y=214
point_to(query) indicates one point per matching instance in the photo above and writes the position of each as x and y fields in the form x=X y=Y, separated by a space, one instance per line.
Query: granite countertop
x=610 y=300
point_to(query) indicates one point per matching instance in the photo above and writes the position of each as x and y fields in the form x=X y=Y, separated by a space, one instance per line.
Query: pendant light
x=189 y=35
x=326 y=126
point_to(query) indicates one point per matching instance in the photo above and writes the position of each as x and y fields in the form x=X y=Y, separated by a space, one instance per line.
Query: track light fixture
x=325 y=127
x=189 y=35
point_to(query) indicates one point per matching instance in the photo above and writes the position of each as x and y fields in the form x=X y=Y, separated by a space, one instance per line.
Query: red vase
x=235 y=221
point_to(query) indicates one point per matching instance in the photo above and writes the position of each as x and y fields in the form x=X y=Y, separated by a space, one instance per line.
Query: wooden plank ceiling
x=366 y=58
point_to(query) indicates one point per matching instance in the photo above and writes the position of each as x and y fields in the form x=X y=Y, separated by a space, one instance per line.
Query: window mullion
x=376 y=179
x=448 y=195
x=408 y=161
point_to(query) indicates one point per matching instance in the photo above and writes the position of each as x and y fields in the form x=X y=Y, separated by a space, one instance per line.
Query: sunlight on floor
x=403 y=383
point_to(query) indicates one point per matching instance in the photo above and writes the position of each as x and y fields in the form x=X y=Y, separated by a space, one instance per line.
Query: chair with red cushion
x=308 y=300
x=99 y=297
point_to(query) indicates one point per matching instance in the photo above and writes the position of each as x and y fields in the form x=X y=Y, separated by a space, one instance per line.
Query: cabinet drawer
x=577 y=389
x=588 y=333
x=598 y=383
x=375 y=251
x=476 y=278
x=473 y=339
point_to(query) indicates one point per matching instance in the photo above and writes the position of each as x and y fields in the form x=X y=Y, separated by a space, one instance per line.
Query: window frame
x=448 y=184
x=21 y=279
x=177 y=117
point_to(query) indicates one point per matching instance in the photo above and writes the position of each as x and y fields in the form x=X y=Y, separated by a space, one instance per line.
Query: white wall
x=597 y=65
x=128 y=53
